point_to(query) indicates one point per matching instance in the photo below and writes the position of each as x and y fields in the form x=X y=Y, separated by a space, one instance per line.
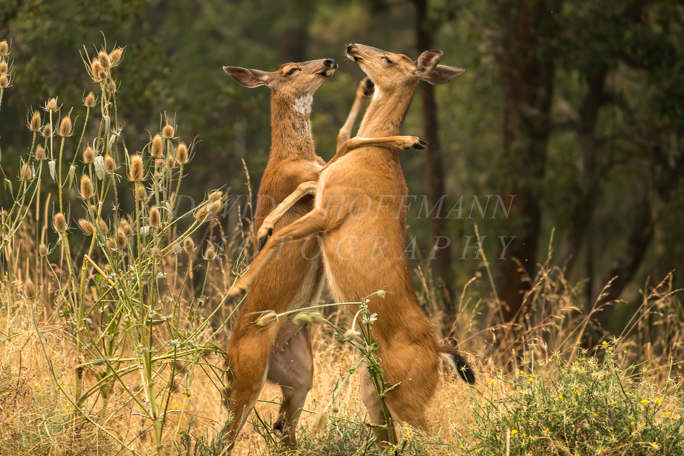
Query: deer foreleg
x=399 y=142
x=364 y=90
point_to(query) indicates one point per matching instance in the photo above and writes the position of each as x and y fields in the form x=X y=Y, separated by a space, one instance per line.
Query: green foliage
x=588 y=407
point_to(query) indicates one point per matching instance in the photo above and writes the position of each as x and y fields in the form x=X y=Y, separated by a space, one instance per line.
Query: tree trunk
x=292 y=36
x=527 y=74
x=442 y=268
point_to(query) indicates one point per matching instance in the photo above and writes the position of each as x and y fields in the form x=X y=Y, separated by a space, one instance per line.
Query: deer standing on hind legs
x=281 y=353
x=363 y=245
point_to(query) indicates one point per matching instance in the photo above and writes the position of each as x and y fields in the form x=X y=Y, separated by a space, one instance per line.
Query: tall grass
x=112 y=323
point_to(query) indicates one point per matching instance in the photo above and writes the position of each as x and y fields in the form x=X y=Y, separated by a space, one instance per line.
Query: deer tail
x=457 y=362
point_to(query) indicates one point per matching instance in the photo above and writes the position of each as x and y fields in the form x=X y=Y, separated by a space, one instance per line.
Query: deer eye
x=387 y=59
x=292 y=71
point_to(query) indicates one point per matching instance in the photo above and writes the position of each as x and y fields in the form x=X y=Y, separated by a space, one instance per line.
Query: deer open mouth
x=328 y=72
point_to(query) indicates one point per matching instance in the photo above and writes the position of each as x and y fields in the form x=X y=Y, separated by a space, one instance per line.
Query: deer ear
x=247 y=77
x=443 y=74
x=426 y=62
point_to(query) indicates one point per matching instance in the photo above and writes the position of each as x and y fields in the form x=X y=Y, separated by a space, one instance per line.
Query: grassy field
x=113 y=324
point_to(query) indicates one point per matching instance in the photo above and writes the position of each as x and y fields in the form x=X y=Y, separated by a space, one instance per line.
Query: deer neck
x=291 y=128
x=386 y=112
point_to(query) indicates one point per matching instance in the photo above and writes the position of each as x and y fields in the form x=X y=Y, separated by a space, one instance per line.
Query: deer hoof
x=369 y=87
x=419 y=145
x=263 y=239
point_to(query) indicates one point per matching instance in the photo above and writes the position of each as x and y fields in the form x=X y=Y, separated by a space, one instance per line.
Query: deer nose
x=330 y=63
x=350 y=47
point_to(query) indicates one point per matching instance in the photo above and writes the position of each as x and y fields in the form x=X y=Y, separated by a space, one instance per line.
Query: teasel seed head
x=156 y=175
x=104 y=59
x=210 y=254
x=120 y=239
x=30 y=290
x=88 y=155
x=4 y=81
x=98 y=73
x=155 y=252
x=159 y=162
x=157 y=148
x=4 y=48
x=40 y=153
x=52 y=104
x=3 y=67
x=155 y=218
x=47 y=131
x=87 y=227
x=170 y=162
x=175 y=249
x=140 y=193
x=65 y=127
x=188 y=246
x=26 y=173
x=136 y=171
x=111 y=87
x=87 y=189
x=168 y=131
x=216 y=207
x=267 y=319
x=43 y=250
x=89 y=101
x=109 y=164
x=126 y=227
x=115 y=56
x=60 y=223
x=111 y=245
x=36 y=122
x=103 y=227
x=215 y=196
x=93 y=208
x=202 y=212
x=182 y=154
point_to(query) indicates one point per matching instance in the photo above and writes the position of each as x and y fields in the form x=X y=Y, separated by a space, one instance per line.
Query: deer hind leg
x=291 y=367
x=375 y=413
x=247 y=360
x=266 y=229
x=399 y=142
x=312 y=223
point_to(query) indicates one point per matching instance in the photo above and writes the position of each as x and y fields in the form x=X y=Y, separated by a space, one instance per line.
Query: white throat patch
x=302 y=105
x=377 y=94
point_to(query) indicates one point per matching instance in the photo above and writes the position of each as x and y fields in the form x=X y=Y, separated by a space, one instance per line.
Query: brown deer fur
x=363 y=253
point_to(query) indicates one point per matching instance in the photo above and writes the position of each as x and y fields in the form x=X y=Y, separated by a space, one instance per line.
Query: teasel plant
x=126 y=298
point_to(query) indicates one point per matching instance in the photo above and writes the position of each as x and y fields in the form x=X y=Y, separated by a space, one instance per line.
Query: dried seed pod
x=104 y=59
x=52 y=104
x=4 y=81
x=136 y=170
x=188 y=246
x=109 y=164
x=60 y=223
x=115 y=56
x=182 y=154
x=47 y=131
x=120 y=239
x=156 y=176
x=216 y=207
x=168 y=131
x=36 y=122
x=89 y=101
x=140 y=193
x=87 y=227
x=175 y=249
x=3 y=67
x=30 y=290
x=155 y=252
x=40 y=153
x=202 y=212
x=155 y=217
x=88 y=155
x=159 y=162
x=157 y=148
x=65 y=127
x=93 y=208
x=87 y=189
x=103 y=227
x=111 y=244
x=126 y=227
x=170 y=162
x=111 y=87
x=210 y=254
x=43 y=250
x=4 y=48
x=97 y=71
x=215 y=196
x=26 y=173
